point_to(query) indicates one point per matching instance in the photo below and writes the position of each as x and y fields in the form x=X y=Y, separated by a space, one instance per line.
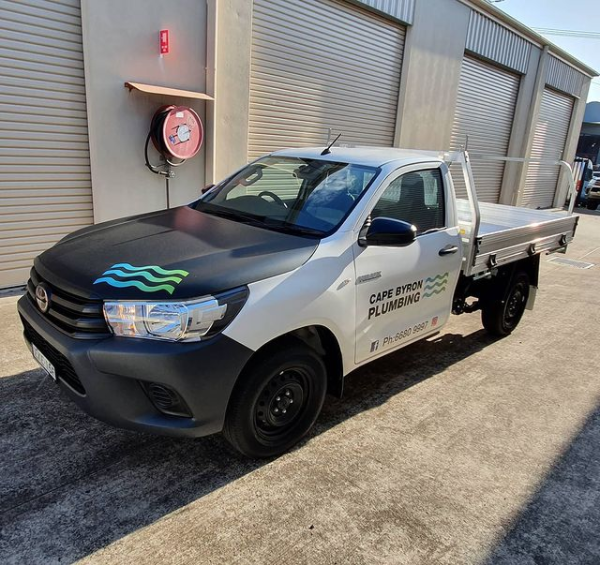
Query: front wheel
x=501 y=317
x=592 y=205
x=276 y=402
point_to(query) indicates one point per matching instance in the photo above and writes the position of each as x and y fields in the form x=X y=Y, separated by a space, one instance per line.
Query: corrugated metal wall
x=487 y=96
x=549 y=143
x=45 y=186
x=403 y=10
x=319 y=64
x=563 y=77
x=497 y=43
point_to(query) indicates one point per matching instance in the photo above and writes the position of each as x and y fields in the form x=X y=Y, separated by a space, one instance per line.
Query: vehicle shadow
x=559 y=525
x=71 y=485
x=373 y=384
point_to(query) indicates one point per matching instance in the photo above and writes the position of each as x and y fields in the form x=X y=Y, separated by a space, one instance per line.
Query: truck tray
x=509 y=233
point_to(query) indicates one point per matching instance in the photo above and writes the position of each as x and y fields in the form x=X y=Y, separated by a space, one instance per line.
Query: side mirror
x=388 y=232
x=207 y=188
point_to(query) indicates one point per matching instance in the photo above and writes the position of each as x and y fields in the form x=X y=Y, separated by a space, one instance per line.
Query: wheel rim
x=281 y=403
x=515 y=305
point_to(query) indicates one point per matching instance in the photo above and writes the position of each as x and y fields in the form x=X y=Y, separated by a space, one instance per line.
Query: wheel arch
x=501 y=283
x=319 y=338
x=488 y=289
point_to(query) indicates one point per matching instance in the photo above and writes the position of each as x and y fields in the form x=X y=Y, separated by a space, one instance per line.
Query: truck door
x=405 y=293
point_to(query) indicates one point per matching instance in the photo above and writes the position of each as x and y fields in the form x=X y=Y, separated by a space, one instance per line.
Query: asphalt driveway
x=459 y=449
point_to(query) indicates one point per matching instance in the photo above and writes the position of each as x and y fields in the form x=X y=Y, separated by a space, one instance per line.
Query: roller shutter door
x=485 y=109
x=45 y=189
x=549 y=142
x=319 y=64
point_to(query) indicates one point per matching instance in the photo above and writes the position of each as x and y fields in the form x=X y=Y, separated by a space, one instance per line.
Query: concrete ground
x=460 y=449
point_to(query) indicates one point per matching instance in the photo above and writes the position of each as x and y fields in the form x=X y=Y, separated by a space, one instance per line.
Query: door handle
x=448 y=250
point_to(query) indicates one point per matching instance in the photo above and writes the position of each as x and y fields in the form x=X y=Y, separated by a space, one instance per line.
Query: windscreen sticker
x=166 y=279
x=386 y=301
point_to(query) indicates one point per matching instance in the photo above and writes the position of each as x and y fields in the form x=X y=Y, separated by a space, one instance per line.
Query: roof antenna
x=327 y=150
x=466 y=145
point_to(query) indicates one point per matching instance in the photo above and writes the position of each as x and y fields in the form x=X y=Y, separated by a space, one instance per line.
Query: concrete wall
x=430 y=74
x=121 y=44
x=232 y=94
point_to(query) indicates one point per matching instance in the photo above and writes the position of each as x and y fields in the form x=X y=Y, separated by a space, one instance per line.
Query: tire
x=500 y=317
x=276 y=402
x=592 y=205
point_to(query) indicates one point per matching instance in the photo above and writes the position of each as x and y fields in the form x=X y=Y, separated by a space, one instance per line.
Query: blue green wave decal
x=154 y=268
x=149 y=274
x=430 y=294
x=435 y=285
x=436 y=278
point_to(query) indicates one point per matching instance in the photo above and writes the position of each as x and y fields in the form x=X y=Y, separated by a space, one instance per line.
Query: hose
x=155 y=134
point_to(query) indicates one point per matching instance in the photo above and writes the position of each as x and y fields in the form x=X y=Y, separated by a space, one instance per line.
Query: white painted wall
x=121 y=44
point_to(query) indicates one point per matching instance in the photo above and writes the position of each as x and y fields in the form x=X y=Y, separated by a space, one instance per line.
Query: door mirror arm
x=362 y=234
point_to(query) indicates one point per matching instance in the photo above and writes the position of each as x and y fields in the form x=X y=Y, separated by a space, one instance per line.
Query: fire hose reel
x=177 y=134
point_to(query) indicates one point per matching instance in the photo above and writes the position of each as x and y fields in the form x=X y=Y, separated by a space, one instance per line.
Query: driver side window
x=416 y=198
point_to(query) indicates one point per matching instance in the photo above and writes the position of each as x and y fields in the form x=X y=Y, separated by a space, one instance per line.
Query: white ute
x=240 y=311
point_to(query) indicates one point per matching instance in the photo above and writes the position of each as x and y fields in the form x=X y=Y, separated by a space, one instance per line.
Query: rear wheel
x=500 y=317
x=276 y=402
x=592 y=205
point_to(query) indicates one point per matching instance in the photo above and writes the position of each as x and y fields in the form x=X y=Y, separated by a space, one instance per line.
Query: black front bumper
x=108 y=378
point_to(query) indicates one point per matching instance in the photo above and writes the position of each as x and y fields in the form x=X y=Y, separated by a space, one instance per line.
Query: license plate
x=43 y=361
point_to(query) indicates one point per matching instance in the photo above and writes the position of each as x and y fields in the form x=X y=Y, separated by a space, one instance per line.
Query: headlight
x=191 y=320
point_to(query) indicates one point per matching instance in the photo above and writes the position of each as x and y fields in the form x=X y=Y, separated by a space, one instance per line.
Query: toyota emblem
x=42 y=297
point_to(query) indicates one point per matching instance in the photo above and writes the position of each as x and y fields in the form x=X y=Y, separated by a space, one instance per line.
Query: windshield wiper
x=294 y=229
x=268 y=223
x=233 y=215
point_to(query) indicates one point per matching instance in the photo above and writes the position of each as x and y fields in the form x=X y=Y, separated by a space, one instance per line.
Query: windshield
x=304 y=196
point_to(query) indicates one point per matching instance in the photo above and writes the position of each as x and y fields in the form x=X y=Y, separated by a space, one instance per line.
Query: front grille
x=78 y=317
x=64 y=369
